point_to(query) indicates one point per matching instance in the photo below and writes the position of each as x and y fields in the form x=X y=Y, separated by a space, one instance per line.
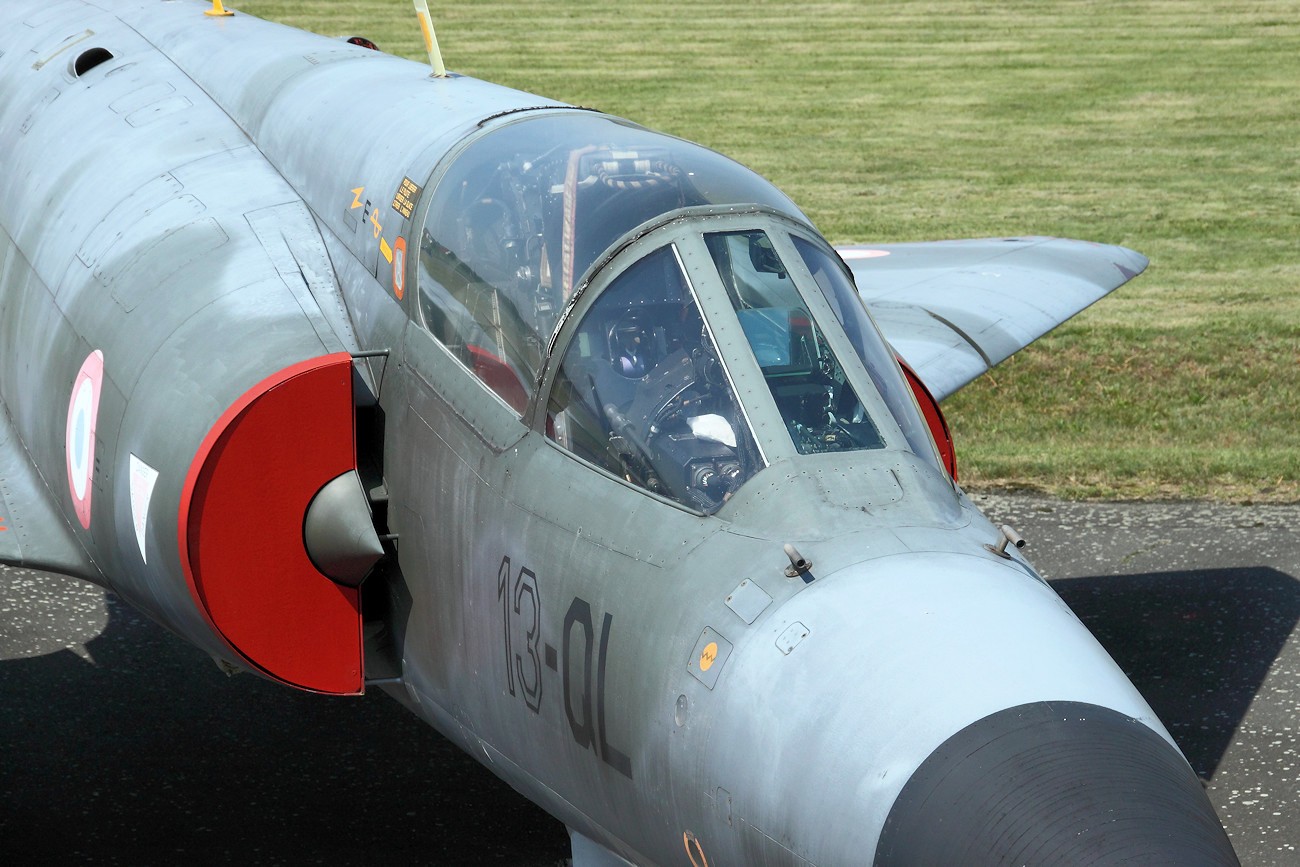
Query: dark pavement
x=135 y=749
x=121 y=744
x=1199 y=604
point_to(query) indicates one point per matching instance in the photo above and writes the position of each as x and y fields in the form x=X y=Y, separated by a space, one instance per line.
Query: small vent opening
x=89 y=59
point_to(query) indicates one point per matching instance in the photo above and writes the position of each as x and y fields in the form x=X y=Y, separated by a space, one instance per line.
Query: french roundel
x=83 y=410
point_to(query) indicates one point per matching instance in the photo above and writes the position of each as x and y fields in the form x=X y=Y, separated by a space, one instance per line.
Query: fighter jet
x=576 y=438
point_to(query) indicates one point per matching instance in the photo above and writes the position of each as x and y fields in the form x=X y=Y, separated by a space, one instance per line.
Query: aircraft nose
x=1053 y=783
x=936 y=709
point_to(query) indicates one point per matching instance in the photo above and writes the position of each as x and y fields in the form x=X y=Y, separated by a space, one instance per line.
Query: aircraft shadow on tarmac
x=1197 y=644
x=151 y=755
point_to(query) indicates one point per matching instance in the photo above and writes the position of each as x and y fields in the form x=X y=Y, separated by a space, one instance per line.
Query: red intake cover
x=933 y=417
x=241 y=528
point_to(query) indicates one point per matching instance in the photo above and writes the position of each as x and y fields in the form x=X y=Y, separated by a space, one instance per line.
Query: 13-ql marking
x=582 y=662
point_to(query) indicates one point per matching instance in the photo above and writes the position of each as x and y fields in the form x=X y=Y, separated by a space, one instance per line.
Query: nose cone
x=1053 y=783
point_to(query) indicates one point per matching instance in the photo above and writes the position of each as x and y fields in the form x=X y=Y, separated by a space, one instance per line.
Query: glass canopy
x=721 y=317
x=521 y=214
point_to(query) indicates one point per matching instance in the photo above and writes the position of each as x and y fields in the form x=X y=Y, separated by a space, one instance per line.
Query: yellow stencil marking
x=386 y=250
x=404 y=201
x=374 y=221
x=708 y=656
x=356 y=200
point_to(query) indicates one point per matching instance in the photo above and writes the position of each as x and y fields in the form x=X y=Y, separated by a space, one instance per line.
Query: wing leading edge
x=954 y=309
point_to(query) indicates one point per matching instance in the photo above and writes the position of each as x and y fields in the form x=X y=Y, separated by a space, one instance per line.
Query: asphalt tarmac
x=120 y=744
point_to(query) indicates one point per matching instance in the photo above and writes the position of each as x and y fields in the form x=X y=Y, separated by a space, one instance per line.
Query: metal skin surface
x=954 y=309
x=209 y=211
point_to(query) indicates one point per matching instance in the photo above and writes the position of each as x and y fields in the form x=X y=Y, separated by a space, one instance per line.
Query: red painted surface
x=241 y=522
x=499 y=377
x=399 y=268
x=934 y=418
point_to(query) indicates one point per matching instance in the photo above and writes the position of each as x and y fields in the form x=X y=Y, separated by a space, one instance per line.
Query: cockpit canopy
x=521 y=213
x=721 y=335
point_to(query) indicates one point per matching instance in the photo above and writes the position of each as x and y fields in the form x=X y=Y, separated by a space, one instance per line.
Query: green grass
x=1171 y=126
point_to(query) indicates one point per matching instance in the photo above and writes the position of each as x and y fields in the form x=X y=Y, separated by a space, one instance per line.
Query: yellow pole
x=217 y=9
x=430 y=38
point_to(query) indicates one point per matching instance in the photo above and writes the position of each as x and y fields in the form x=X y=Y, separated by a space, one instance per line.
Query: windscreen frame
x=669 y=233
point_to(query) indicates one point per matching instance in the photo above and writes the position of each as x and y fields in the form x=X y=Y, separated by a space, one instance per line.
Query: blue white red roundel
x=83 y=410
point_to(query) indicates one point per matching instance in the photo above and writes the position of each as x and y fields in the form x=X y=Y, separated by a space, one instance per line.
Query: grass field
x=1170 y=126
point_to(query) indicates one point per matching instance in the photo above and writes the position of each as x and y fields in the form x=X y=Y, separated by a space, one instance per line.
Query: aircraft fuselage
x=603 y=391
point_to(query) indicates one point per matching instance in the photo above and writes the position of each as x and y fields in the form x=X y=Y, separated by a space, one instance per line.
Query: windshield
x=820 y=408
x=519 y=216
x=870 y=346
x=642 y=393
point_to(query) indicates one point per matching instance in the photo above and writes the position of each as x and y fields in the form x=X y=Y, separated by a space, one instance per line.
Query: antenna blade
x=430 y=38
